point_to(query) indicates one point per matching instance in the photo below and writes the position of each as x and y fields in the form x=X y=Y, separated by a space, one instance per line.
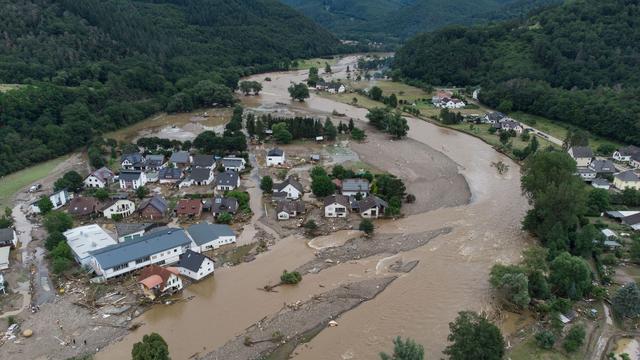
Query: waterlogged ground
x=451 y=175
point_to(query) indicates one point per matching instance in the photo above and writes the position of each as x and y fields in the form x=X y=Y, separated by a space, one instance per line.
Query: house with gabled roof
x=603 y=167
x=234 y=164
x=195 y=266
x=156 y=281
x=581 y=154
x=207 y=236
x=352 y=187
x=132 y=161
x=228 y=180
x=58 y=199
x=132 y=179
x=189 y=208
x=154 y=208
x=626 y=179
x=198 y=177
x=291 y=187
x=130 y=231
x=276 y=157
x=180 y=159
x=8 y=237
x=372 y=207
x=100 y=178
x=493 y=117
x=118 y=208
x=223 y=204
x=624 y=154
x=155 y=162
x=170 y=175
x=288 y=209
x=336 y=206
x=82 y=206
x=203 y=161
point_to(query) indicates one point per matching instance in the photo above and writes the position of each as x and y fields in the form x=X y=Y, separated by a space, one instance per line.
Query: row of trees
x=388 y=121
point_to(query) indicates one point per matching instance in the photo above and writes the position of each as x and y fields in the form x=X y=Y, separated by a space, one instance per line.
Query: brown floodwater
x=451 y=175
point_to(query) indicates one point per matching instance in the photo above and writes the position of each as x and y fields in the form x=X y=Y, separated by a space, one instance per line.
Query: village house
x=154 y=208
x=154 y=162
x=132 y=179
x=58 y=199
x=600 y=183
x=189 y=208
x=336 y=206
x=336 y=88
x=198 y=177
x=180 y=159
x=82 y=206
x=439 y=96
x=582 y=155
x=603 y=167
x=632 y=220
x=624 y=154
x=493 y=117
x=207 y=236
x=228 y=180
x=353 y=187
x=8 y=237
x=626 y=179
x=194 y=265
x=203 y=161
x=170 y=175
x=130 y=231
x=372 y=207
x=290 y=188
x=85 y=239
x=288 y=209
x=100 y=178
x=635 y=161
x=586 y=174
x=224 y=204
x=233 y=164
x=507 y=125
x=156 y=281
x=276 y=157
x=4 y=258
x=161 y=247
x=118 y=208
x=132 y=161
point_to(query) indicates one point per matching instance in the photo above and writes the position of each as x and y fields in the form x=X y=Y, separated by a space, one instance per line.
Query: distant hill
x=391 y=21
x=97 y=65
x=576 y=63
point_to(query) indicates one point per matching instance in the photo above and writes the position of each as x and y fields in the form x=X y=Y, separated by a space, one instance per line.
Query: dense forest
x=575 y=63
x=391 y=21
x=86 y=67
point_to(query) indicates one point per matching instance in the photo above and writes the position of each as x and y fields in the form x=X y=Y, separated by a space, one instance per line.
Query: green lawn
x=12 y=183
x=317 y=62
x=557 y=129
x=482 y=131
x=528 y=350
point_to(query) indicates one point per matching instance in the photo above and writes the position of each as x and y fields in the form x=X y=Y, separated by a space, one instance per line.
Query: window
x=142 y=259
x=120 y=267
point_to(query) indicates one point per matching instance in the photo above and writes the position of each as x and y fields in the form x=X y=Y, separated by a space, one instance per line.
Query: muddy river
x=451 y=175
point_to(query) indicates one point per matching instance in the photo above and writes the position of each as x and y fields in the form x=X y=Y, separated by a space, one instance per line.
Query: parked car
x=35 y=187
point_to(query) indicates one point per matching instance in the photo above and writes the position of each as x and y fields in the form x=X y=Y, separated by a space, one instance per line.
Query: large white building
x=208 y=236
x=85 y=239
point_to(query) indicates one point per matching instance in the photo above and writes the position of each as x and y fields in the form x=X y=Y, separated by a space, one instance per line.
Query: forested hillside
x=391 y=21
x=96 y=65
x=576 y=63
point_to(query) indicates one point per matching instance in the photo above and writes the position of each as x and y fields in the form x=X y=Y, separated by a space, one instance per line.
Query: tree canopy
x=474 y=337
x=152 y=347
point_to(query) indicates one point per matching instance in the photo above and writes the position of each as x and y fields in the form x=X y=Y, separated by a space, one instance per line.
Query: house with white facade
x=4 y=258
x=154 y=162
x=624 y=154
x=118 y=207
x=276 y=157
x=203 y=161
x=586 y=174
x=626 y=180
x=289 y=209
x=198 y=177
x=582 y=155
x=506 y=124
x=130 y=231
x=195 y=266
x=290 y=188
x=156 y=281
x=100 y=178
x=493 y=117
x=8 y=237
x=234 y=164
x=132 y=161
x=336 y=206
x=603 y=167
x=352 y=187
x=207 y=236
x=228 y=180
x=600 y=183
x=372 y=207
x=58 y=199
x=132 y=179
x=85 y=239
x=170 y=175
x=161 y=247
x=180 y=159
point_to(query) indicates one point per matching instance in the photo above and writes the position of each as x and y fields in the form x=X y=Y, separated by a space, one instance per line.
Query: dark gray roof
x=180 y=157
x=203 y=160
x=290 y=181
x=226 y=204
x=103 y=174
x=495 y=116
x=200 y=174
x=370 y=202
x=170 y=174
x=134 y=158
x=227 y=178
x=340 y=199
x=144 y=246
x=586 y=170
x=6 y=237
x=582 y=152
x=232 y=162
x=628 y=175
x=355 y=185
x=631 y=220
x=629 y=150
x=290 y=206
x=155 y=160
x=275 y=152
x=601 y=182
x=157 y=202
x=603 y=166
x=205 y=232
x=192 y=260
x=129 y=175
x=124 y=229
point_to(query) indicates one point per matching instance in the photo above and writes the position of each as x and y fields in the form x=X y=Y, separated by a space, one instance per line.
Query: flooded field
x=451 y=175
x=184 y=126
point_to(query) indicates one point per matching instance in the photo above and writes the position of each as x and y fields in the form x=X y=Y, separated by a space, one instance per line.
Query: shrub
x=224 y=218
x=545 y=339
x=367 y=226
x=290 y=278
x=574 y=339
